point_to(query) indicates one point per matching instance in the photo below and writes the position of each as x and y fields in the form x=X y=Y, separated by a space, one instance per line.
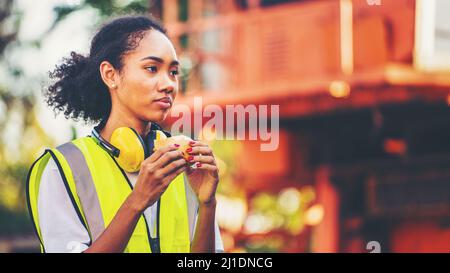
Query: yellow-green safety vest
x=98 y=187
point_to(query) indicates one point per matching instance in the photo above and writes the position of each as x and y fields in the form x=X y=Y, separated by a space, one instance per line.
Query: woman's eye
x=174 y=72
x=151 y=69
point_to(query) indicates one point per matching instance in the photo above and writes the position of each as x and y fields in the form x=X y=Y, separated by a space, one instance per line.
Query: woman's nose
x=167 y=89
x=167 y=85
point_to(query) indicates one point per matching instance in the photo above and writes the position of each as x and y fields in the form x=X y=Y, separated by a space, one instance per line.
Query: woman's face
x=149 y=78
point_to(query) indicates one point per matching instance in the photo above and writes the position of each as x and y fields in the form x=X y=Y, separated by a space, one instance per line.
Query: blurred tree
x=6 y=36
x=21 y=137
x=108 y=8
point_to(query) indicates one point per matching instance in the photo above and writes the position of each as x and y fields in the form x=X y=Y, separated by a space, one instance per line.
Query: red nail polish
x=190 y=158
x=189 y=150
x=199 y=164
x=177 y=145
x=191 y=142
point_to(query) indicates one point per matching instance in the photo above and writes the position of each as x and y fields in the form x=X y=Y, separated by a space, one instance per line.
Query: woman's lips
x=164 y=103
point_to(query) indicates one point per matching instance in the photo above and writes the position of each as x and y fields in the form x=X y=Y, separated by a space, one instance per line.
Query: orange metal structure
x=317 y=60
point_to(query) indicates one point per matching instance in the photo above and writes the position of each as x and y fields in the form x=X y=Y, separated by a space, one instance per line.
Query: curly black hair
x=78 y=89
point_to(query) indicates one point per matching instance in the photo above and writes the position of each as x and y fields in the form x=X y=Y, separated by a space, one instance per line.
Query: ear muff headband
x=146 y=151
x=105 y=144
x=150 y=141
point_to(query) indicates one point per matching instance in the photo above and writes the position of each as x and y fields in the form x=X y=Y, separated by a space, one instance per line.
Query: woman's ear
x=109 y=74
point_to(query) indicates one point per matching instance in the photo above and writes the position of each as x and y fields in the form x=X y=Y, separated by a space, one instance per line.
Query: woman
x=81 y=198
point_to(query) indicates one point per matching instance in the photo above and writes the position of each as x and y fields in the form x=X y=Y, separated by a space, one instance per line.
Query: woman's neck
x=117 y=120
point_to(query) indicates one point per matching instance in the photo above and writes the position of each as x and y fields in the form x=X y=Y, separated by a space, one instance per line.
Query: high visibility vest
x=97 y=188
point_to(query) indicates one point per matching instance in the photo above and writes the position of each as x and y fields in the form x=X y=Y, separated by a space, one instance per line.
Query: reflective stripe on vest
x=99 y=187
x=85 y=188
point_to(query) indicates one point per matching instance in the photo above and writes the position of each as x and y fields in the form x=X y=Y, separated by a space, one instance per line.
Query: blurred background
x=363 y=86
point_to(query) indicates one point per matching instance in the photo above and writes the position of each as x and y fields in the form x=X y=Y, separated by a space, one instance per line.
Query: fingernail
x=189 y=150
x=190 y=158
x=176 y=145
x=199 y=164
x=191 y=142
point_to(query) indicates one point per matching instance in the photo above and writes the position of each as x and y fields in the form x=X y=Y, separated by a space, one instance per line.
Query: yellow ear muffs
x=131 y=146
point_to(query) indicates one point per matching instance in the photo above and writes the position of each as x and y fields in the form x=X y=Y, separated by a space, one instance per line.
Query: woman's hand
x=205 y=177
x=155 y=175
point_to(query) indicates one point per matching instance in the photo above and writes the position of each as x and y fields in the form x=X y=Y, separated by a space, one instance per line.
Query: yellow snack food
x=162 y=141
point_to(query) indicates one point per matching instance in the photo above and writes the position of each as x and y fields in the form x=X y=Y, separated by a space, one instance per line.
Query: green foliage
x=63 y=11
x=14 y=223
x=106 y=8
